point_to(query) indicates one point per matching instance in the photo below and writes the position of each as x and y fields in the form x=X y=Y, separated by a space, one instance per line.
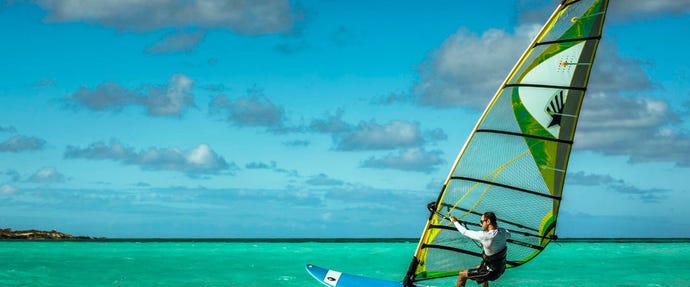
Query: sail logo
x=555 y=109
x=546 y=104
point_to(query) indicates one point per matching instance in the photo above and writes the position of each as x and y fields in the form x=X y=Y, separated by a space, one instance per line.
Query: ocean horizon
x=244 y=262
x=335 y=239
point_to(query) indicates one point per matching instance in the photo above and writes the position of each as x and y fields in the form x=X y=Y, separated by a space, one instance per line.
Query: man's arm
x=476 y=235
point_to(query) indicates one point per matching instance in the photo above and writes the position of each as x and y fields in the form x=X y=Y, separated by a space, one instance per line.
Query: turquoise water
x=219 y=263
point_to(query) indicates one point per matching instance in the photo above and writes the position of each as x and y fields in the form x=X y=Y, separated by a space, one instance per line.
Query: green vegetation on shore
x=33 y=234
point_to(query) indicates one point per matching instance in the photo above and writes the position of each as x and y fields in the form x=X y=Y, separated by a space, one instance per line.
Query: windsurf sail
x=514 y=162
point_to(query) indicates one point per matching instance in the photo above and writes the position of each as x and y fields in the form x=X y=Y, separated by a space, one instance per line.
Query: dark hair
x=491 y=217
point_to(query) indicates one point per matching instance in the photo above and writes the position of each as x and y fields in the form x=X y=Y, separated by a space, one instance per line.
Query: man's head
x=488 y=219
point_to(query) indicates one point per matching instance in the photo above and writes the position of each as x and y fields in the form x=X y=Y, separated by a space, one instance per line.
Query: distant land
x=32 y=234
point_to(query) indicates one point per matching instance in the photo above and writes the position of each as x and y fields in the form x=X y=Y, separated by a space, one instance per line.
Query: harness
x=496 y=263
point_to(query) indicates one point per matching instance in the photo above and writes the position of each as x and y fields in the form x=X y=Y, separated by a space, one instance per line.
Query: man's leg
x=462 y=278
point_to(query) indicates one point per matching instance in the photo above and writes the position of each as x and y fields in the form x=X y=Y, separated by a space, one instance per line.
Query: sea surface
x=263 y=263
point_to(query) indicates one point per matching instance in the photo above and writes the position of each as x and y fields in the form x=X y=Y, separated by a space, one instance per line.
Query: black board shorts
x=484 y=273
x=491 y=268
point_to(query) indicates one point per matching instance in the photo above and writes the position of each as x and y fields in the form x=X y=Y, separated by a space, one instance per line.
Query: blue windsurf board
x=332 y=278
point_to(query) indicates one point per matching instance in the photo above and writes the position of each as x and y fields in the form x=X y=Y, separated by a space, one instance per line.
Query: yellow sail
x=514 y=162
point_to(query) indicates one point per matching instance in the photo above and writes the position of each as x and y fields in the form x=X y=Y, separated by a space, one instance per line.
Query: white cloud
x=614 y=73
x=47 y=175
x=199 y=160
x=632 y=10
x=255 y=110
x=412 y=159
x=202 y=156
x=406 y=137
x=172 y=99
x=166 y=100
x=331 y=123
x=21 y=143
x=324 y=180
x=653 y=195
x=467 y=69
x=106 y=96
x=177 y=42
x=7 y=189
x=244 y=17
x=374 y=136
x=636 y=127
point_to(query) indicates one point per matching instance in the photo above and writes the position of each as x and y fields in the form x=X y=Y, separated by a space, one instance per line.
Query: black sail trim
x=448 y=206
x=506 y=186
x=568 y=40
x=545 y=86
x=445 y=227
x=458 y=250
x=524 y=135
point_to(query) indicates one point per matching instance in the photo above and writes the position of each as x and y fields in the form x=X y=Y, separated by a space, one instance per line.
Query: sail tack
x=514 y=162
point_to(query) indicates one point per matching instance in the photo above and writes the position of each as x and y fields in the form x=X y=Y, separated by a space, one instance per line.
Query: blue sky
x=315 y=118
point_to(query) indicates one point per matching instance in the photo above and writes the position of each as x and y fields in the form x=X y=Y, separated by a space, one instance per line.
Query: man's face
x=484 y=223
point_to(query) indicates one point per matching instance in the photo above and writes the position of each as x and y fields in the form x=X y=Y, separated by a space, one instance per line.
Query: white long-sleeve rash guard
x=493 y=241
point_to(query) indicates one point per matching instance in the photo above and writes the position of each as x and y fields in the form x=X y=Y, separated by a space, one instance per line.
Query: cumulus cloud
x=196 y=161
x=296 y=143
x=467 y=69
x=260 y=165
x=171 y=99
x=392 y=98
x=20 y=143
x=253 y=110
x=166 y=100
x=7 y=189
x=373 y=136
x=636 y=127
x=406 y=137
x=653 y=195
x=47 y=175
x=273 y=166
x=330 y=124
x=256 y=111
x=412 y=159
x=178 y=42
x=614 y=73
x=631 y=10
x=107 y=96
x=244 y=17
x=590 y=179
x=324 y=180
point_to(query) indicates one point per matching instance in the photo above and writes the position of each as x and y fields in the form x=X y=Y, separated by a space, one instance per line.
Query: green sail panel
x=514 y=162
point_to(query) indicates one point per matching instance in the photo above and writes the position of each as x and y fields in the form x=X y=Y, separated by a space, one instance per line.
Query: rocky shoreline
x=33 y=234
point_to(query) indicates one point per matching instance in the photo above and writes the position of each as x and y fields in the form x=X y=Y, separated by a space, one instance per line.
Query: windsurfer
x=493 y=240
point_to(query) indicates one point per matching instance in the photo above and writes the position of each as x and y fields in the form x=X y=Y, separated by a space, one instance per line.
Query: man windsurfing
x=493 y=240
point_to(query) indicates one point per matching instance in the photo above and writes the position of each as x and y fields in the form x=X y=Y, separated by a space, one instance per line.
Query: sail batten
x=567 y=40
x=524 y=135
x=515 y=160
x=505 y=186
x=546 y=86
